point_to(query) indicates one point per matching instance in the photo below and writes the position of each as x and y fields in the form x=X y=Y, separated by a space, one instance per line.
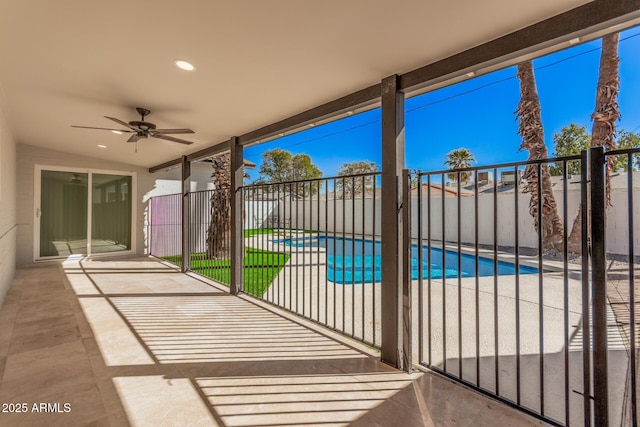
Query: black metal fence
x=620 y=264
x=499 y=297
x=208 y=244
x=165 y=228
x=210 y=234
x=318 y=250
x=542 y=320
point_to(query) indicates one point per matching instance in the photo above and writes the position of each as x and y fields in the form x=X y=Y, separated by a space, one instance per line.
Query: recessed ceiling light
x=184 y=65
x=102 y=146
x=470 y=74
x=574 y=41
x=311 y=125
x=281 y=134
x=117 y=132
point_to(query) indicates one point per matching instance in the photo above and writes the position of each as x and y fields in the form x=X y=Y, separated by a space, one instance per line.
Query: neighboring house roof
x=619 y=181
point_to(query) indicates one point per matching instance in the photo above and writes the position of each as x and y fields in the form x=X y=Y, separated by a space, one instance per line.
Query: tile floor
x=134 y=342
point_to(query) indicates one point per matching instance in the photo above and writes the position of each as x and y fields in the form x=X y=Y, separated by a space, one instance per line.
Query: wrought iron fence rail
x=501 y=165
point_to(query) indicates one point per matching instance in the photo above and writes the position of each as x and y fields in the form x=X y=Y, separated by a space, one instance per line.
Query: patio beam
x=237 y=204
x=186 y=218
x=210 y=151
x=594 y=16
x=359 y=99
x=391 y=218
x=166 y=165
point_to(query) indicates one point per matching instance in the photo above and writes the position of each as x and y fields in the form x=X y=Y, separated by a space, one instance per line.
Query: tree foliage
x=627 y=140
x=359 y=185
x=572 y=139
x=457 y=159
x=280 y=165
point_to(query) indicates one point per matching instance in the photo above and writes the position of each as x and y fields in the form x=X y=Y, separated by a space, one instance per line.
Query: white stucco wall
x=303 y=214
x=8 y=227
x=148 y=185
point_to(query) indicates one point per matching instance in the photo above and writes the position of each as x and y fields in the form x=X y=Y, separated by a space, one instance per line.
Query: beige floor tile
x=84 y=407
x=6 y=332
x=45 y=310
x=155 y=400
x=161 y=348
x=3 y=362
x=9 y=309
x=48 y=371
x=41 y=334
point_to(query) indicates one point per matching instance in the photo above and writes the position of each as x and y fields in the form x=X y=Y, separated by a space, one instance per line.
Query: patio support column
x=391 y=215
x=597 y=164
x=237 y=215
x=186 y=217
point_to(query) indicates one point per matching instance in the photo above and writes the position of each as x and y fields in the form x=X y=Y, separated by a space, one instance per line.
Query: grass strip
x=260 y=268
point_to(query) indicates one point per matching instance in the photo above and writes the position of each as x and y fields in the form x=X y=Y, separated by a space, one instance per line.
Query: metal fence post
x=407 y=313
x=186 y=214
x=599 y=283
x=586 y=314
x=391 y=218
x=237 y=216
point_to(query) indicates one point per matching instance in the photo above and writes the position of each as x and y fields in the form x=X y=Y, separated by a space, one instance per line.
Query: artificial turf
x=260 y=268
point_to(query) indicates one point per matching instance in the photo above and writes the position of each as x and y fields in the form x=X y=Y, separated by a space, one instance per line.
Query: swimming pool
x=359 y=261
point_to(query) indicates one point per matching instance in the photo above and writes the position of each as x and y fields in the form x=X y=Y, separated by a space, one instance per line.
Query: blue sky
x=477 y=114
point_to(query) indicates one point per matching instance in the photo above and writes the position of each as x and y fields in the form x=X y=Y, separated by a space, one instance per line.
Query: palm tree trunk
x=219 y=231
x=604 y=118
x=532 y=133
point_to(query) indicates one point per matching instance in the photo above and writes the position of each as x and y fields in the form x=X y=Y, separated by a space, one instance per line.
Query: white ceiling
x=71 y=62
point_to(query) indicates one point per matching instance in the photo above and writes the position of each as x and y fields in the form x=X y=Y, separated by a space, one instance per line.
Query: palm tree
x=604 y=118
x=532 y=133
x=458 y=159
x=218 y=234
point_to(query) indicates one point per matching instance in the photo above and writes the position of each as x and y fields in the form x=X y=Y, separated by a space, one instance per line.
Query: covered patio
x=96 y=331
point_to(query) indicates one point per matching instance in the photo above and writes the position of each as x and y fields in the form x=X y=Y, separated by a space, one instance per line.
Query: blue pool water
x=357 y=261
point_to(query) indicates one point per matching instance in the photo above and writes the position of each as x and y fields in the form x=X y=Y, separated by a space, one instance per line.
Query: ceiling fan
x=141 y=129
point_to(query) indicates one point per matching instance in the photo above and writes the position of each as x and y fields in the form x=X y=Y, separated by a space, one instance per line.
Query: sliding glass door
x=83 y=213
x=63 y=213
x=110 y=213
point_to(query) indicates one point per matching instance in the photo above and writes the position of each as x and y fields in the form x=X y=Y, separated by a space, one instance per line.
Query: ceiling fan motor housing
x=143 y=125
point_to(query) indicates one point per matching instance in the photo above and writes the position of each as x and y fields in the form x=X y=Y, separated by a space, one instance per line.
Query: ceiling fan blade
x=165 y=131
x=171 y=138
x=134 y=138
x=125 y=124
x=90 y=127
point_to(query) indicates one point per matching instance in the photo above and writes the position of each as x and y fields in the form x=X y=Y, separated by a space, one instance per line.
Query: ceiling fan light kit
x=142 y=129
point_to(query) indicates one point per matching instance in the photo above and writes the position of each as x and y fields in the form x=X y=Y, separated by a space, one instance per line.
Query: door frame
x=89 y=171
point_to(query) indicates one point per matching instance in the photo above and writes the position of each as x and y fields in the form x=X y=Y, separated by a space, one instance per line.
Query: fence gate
x=540 y=317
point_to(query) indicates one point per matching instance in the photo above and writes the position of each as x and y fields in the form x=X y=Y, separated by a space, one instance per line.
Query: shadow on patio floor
x=133 y=342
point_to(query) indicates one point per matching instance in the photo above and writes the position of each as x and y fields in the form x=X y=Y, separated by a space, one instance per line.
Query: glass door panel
x=110 y=213
x=63 y=213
